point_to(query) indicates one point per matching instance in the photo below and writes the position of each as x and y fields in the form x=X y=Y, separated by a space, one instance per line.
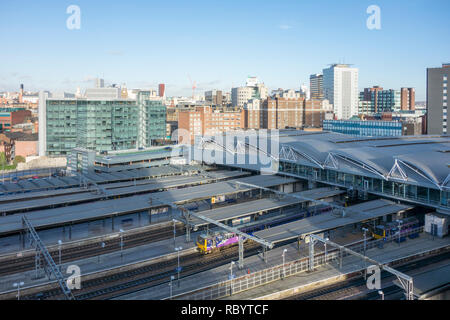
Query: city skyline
x=169 y=43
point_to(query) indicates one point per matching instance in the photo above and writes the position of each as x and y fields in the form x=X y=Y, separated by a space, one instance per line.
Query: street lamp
x=170 y=285
x=231 y=270
x=174 y=232
x=284 y=271
x=381 y=293
x=231 y=277
x=365 y=238
x=121 y=243
x=178 y=269
x=18 y=285
x=325 y=244
x=103 y=246
x=399 y=231
x=59 y=248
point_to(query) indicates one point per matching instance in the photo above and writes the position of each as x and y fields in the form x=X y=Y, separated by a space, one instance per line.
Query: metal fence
x=265 y=276
x=16 y=174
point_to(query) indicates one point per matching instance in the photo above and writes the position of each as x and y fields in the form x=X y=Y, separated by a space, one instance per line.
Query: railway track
x=126 y=282
x=16 y=265
x=356 y=288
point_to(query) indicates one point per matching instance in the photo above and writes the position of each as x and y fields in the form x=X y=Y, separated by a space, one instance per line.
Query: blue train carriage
x=208 y=243
x=404 y=226
x=409 y=228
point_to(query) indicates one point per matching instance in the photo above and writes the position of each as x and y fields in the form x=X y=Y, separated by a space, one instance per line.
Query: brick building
x=12 y=116
x=206 y=120
x=25 y=144
x=408 y=99
x=253 y=116
x=280 y=113
x=315 y=113
x=7 y=146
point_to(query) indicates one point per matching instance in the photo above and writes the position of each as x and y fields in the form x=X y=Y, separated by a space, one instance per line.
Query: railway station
x=210 y=225
x=364 y=212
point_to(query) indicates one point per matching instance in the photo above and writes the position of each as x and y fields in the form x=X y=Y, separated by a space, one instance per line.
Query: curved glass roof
x=423 y=159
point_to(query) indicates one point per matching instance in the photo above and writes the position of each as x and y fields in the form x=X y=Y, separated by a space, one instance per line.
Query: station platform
x=391 y=252
x=98 y=210
x=107 y=186
x=107 y=261
x=65 y=197
x=274 y=258
x=100 y=178
x=221 y=188
x=261 y=205
x=430 y=280
x=356 y=213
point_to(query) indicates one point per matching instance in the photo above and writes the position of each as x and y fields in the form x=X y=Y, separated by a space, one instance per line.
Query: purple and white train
x=207 y=243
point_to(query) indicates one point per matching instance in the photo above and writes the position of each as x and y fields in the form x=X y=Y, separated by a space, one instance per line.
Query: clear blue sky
x=218 y=43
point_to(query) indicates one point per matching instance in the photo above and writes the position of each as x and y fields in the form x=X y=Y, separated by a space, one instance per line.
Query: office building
x=316 y=86
x=161 y=90
x=103 y=93
x=99 y=124
x=361 y=128
x=214 y=97
x=376 y=99
x=152 y=119
x=340 y=88
x=408 y=99
x=437 y=99
x=12 y=116
x=99 y=83
x=253 y=90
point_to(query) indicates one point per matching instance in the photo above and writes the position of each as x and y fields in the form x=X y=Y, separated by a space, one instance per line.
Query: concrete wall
x=43 y=162
x=26 y=148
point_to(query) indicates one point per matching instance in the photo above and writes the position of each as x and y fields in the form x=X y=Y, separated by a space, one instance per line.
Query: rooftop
x=20 y=136
x=417 y=160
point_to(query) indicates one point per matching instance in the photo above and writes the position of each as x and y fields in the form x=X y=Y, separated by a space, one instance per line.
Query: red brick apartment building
x=206 y=120
x=18 y=144
x=272 y=113
x=281 y=113
x=10 y=117
x=408 y=99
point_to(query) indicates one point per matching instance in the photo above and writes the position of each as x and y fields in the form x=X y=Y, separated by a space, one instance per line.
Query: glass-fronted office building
x=379 y=101
x=364 y=128
x=102 y=124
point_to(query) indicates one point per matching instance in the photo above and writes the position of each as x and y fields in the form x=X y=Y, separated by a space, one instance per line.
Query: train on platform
x=208 y=243
x=408 y=227
x=309 y=212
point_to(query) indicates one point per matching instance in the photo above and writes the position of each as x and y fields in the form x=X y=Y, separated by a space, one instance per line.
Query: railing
x=265 y=276
x=30 y=172
x=386 y=191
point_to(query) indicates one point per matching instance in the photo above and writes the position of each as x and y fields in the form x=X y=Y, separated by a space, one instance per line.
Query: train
x=286 y=219
x=389 y=229
x=208 y=243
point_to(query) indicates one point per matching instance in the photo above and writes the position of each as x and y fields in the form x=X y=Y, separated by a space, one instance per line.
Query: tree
x=18 y=159
x=3 y=161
